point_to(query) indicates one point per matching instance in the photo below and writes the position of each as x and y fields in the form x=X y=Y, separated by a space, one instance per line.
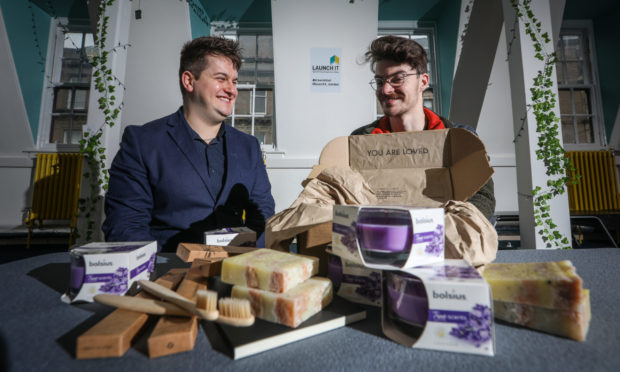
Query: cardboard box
x=110 y=268
x=188 y=252
x=315 y=242
x=443 y=306
x=237 y=236
x=388 y=237
x=424 y=168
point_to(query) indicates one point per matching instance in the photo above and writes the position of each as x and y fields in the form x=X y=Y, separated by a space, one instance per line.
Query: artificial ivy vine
x=90 y=146
x=550 y=151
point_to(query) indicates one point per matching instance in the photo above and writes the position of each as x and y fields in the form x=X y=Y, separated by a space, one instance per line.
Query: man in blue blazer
x=179 y=176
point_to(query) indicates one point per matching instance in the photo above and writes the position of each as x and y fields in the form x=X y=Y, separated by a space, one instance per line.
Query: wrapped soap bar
x=546 y=284
x=268 y=269
x=292 y=307
x=566 y=323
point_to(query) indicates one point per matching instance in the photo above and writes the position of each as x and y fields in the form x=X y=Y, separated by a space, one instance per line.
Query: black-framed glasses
x=395 y=80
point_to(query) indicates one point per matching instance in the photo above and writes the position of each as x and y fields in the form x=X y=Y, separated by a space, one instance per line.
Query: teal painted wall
x=30 y=67
x=399 y=10
x=444 y=14
x=199 y=20
x=243 y=11
x=607 y=36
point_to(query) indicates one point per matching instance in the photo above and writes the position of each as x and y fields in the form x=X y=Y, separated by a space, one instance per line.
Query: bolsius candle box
x=239 y=236
x=442 y=306
x=353 y=281
x=388 y=237
x=109 y=268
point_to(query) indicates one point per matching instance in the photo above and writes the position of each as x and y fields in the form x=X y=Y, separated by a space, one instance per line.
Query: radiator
x=597 y=190
x=56 y=189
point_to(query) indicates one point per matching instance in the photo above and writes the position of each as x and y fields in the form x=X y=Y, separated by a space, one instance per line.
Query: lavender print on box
x=118 y=283
x=476 y=327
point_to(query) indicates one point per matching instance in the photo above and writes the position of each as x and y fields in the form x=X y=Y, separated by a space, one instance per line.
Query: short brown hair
x=194 y=54
x=397 y=49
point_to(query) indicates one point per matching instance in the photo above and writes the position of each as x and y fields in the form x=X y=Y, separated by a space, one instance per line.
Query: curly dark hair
x=397 y=49
x=194 y=54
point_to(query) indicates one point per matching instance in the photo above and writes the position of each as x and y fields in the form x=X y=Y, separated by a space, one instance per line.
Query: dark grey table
x=38 y=332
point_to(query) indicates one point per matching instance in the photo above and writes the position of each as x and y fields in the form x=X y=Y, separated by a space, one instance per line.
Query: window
x=425 y=36
x=580 y=110
x=254 y=109
x=65 y=104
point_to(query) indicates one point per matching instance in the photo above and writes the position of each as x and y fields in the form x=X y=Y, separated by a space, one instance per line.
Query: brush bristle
x=235 y=308
x=206 y=300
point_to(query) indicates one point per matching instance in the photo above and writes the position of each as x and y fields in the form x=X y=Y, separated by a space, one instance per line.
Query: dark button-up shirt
x=214 y=159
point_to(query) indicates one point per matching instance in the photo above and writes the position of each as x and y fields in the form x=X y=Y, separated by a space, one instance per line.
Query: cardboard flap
x=336 y=152
x=469 y=165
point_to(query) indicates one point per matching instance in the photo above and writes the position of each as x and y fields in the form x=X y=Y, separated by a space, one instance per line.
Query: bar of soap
x=566 y=323
x=292 y=307
x=268 y=269
x=553 y=285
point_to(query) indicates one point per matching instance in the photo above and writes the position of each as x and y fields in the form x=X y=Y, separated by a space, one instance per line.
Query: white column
x=118 y=34
x=523 y=67
x=475 y=60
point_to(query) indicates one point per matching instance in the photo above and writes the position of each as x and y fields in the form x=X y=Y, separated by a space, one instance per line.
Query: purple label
x=340 y=229
x=448 y=316
x=369 y=287
x=423 y=237
x=98 y=278
x=133 y=273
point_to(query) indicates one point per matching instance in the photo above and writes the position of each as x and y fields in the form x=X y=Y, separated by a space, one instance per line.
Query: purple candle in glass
x=77 y=274
x=334 y=270
x=384 y=233
x=405 y=298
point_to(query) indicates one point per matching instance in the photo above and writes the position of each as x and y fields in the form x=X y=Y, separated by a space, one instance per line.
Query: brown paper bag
x=469 y=234
x=334 y=185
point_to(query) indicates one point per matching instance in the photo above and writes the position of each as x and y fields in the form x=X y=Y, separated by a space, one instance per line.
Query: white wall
x=306 y=121
x=151 y=76
x=15 y=136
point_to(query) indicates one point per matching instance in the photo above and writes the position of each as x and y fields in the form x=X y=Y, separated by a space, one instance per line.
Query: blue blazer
x=158 y=189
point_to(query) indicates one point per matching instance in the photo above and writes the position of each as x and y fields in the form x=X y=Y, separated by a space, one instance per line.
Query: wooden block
x=208 y=267
x=112 y=336
x=188 y=252
x=172 y=334
x=314 y=242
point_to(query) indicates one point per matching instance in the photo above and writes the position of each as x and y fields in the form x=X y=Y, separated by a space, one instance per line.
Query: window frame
x=233 y=30
x=411 y=28
x=585 y=28
x=52 y=75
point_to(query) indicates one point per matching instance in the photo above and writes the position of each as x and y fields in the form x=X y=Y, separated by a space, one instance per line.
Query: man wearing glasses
x=400 y=79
